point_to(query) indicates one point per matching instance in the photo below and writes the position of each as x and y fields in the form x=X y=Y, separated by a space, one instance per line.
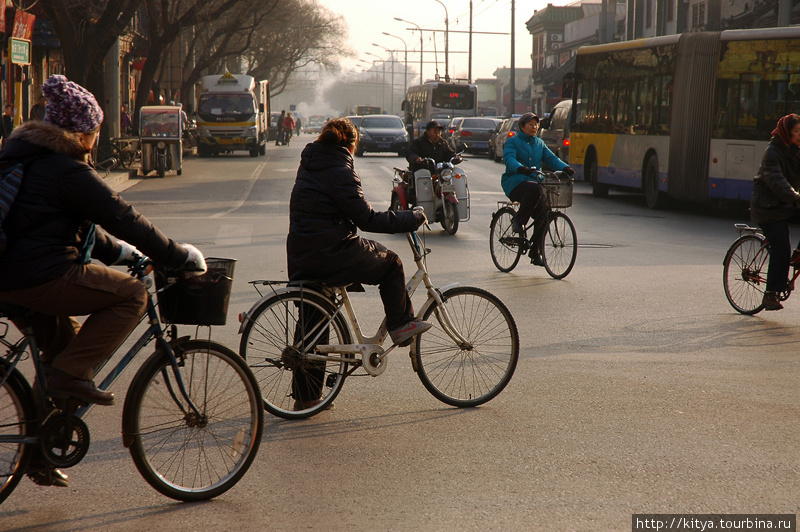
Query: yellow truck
x=232 y=115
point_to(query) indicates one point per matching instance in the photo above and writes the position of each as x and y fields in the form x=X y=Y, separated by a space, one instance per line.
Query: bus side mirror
x=405 y=106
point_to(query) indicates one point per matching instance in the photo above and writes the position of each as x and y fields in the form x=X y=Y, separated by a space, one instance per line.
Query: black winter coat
x=327 y=207
x=423 y=147
x=60 y=196
x=776 y=184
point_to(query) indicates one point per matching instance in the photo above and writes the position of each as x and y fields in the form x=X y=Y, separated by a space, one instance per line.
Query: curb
x=119 y=181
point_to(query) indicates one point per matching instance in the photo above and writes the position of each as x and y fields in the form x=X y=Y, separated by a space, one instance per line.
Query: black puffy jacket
x=776 y=184
x=327 y=207
x=60 y=197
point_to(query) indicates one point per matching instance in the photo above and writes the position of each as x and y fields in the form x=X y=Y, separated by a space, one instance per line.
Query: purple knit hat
x=70 y=106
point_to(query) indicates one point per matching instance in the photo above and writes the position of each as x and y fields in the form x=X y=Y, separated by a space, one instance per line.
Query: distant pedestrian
x=125 y=120
x=37 y=111
x=8 y=122
x=279 y=126
x=288 y=128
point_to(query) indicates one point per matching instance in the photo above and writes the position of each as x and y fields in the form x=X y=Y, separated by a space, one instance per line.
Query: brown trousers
x=113 y=300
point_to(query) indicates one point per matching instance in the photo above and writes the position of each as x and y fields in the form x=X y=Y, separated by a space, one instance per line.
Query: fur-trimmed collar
x=51 y=137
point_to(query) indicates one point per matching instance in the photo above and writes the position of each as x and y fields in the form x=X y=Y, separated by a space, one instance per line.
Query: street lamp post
x=383 y=69
x=391 y=54
x=446 y=40
x=405 y=62
x=421 y=79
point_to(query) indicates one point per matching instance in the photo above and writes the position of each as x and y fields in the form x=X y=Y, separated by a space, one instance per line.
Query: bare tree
x=87 y=29
x=302 y=33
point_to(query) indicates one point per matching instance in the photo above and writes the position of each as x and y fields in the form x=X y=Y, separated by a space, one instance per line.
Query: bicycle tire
x=505 y=246
x=108 y=156
x=17 y=418
x=268 y=345
x=468 y=376
x=180 y=455
x=744 y=273
x=128 y=156
x=559 y=245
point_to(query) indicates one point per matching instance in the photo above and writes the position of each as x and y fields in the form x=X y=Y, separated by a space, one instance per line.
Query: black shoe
x=517 y=227
x=537 y=260
x=49 y=476
x=61 y=384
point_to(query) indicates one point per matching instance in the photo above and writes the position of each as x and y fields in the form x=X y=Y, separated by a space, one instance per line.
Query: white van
x=554 y=130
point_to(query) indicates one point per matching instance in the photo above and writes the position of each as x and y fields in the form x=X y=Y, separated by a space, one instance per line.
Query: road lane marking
x=243 y=197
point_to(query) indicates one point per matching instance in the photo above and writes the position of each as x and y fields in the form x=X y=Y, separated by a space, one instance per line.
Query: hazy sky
x=367 y=19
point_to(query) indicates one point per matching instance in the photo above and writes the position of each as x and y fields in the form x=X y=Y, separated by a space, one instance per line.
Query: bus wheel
x=598 y=190
x=654 y=197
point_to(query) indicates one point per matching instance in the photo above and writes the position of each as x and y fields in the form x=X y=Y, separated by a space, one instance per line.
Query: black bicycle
x=192 y=416
x=558 y=242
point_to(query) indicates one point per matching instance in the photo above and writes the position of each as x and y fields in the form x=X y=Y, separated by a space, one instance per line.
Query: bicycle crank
x=64 y=439
x=373 y=362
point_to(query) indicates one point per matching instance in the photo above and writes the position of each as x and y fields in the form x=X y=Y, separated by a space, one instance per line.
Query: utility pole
x=513 y=82
x=469 y=75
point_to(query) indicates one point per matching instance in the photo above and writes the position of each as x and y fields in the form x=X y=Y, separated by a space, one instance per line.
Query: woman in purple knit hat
x=62 y=218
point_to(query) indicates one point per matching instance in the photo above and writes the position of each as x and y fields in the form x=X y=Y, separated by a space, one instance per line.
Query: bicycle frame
x=744 y=228
x=371 y=347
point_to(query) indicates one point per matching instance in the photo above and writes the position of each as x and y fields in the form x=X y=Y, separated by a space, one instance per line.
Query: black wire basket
x=196 y=300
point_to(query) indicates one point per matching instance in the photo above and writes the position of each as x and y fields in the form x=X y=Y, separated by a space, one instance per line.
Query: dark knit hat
x=527 y=117
x=433 y=124
x=70 y=106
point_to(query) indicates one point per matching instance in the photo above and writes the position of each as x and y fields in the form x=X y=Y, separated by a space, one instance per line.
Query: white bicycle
x=303 y=340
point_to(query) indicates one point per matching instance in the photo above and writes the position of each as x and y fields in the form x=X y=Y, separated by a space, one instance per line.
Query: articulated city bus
x=682 y=117
x=436 y=100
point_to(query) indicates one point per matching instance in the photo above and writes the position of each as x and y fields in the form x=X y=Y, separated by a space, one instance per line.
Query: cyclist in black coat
x=775 y=201
x=326 y=209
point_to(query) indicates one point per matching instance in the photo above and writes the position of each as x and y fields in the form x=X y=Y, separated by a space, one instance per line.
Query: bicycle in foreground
x=305 y=339
x=745 y=268
x=192 y=416
x=558 y=241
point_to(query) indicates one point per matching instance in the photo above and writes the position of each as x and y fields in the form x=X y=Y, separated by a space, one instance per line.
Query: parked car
x=554 y=130
x=382 y=133
x=451 y=126
x=493 y=138
x=474 y=132
x=507 y=129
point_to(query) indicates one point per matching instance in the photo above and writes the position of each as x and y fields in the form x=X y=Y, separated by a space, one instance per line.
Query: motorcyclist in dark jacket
x=775 y=201
x=430 y=145
x=326 y=209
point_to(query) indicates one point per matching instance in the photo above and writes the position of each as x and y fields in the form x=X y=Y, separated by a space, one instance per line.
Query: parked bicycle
x=310 y=332
x=118 y=151
x=558 y=241
x=192 y=416
x=745 y=268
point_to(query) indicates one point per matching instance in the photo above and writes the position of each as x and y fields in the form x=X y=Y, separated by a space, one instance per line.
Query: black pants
x=532 y=202
x=780 y=250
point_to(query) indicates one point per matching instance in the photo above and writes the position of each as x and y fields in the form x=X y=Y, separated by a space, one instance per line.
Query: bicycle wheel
x=559 y=245
x=277 y=335
x=744 y=273
x=17 y=416
x=128 y=155
x=108 y=156
x=471 y=374
x=505 y=246
x=182 y=455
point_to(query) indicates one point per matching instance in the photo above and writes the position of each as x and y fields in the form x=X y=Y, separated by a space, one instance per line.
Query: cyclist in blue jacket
x=523 y=153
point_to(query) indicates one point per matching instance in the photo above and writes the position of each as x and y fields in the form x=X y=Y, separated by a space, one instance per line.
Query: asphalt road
x=639 y=389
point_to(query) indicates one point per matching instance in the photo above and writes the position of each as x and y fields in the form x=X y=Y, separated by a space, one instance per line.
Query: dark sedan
x=382 y=133
x=475 y=133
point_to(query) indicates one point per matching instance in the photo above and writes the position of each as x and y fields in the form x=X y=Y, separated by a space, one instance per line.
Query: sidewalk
x=121 y=178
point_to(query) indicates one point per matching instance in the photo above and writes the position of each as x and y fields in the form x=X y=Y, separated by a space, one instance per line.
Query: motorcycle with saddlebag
x=441 y=189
